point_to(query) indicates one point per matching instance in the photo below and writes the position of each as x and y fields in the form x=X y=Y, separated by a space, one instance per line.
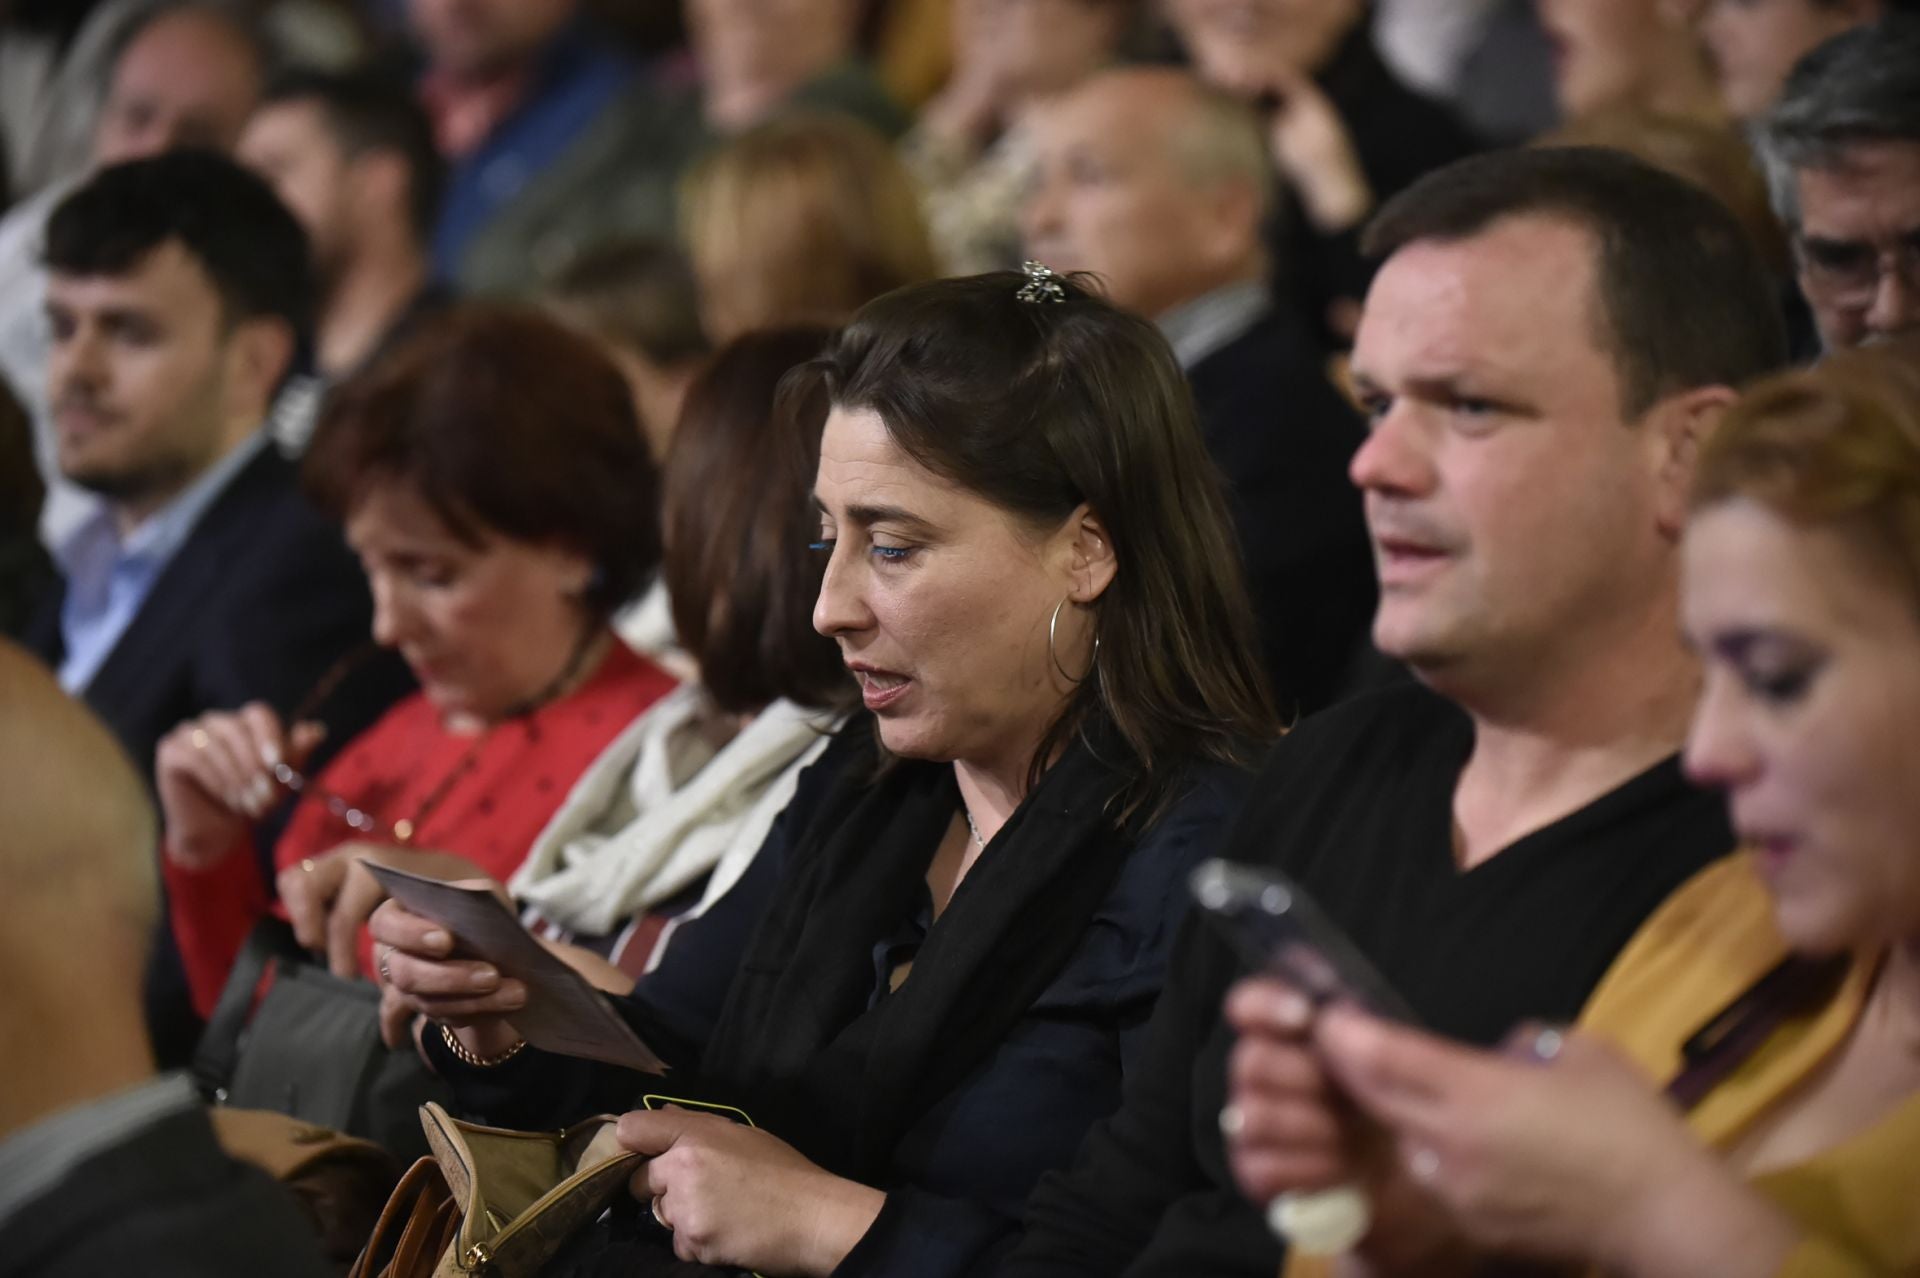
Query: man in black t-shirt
x=1550 y=335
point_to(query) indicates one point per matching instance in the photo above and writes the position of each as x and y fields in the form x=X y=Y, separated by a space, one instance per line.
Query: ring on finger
x=199 y=738
x=307 y=863
x=658 y=1218
x=386 y=975
x=1423 y=1165
x=1547 y=1043
x=1233 y=1120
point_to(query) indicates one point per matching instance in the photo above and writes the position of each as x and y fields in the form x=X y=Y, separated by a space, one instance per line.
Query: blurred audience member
x=25 y=570
x=1160 y=185
x=664 y=822
x=1775 y=992
x=1842 y=151
x=1550 y=339
x=930 y=980
x=1753 y=44
x=55 y=59
x=614 y=172
x=800 y=221
x=1344 y=132
x=637 y=300
x=1506 y=90
x=515 y=90
x=352 y=157
x=179 y=290
x=188 y=75
x=971 y=150
x=1427 y=44
x=1632 y=53
x=757 y=58
x=495 y=486
x=104 y=1168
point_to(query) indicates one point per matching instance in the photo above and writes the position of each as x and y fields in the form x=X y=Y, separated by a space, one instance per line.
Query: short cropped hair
x=505 y=422
x=226 y=218
x=740 y=569
x=366 y=112
x=1861 y=86
x=1684 y=298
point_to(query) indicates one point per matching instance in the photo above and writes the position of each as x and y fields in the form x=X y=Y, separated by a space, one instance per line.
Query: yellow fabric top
x=1859 y=1202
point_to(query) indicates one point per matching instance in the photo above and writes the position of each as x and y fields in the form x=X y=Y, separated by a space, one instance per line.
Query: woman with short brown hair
x=495 y=485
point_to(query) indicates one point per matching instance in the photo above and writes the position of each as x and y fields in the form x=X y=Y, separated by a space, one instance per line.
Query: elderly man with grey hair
x=1842 y=150
x=1160 y=185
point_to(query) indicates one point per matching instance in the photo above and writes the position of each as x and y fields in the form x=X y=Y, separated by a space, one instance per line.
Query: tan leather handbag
x=493 y=1203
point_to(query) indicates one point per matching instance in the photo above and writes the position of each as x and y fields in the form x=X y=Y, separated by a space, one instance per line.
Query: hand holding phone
x=1278 y=930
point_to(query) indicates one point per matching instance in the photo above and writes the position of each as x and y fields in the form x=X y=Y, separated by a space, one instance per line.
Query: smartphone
x=1278 y=929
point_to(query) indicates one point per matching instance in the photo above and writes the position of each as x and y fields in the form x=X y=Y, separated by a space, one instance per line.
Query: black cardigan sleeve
x=1100 y=1214
x=673 y=1008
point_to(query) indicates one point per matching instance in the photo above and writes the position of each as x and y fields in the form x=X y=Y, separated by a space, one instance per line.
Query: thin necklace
x=973 y=829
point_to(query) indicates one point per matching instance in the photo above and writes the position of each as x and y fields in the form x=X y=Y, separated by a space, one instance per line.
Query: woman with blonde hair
x=800 y=220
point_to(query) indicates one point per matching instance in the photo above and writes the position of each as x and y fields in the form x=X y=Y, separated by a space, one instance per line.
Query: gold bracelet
x=460 y=1051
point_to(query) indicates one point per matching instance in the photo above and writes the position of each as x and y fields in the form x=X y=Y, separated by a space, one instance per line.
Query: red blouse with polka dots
x=483 y=798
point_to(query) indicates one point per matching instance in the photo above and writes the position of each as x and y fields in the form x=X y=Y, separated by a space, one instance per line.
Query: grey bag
x=312 y=1049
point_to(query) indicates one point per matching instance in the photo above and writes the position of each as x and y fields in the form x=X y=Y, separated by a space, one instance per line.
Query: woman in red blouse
x=493 y=481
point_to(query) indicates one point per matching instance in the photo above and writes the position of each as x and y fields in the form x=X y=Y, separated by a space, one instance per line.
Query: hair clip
x=1043 y=284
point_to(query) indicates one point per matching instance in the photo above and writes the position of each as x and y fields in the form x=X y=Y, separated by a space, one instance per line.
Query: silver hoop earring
x=1053 y=653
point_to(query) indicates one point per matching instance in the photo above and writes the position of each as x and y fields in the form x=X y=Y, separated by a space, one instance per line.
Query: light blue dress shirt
x=108 y=577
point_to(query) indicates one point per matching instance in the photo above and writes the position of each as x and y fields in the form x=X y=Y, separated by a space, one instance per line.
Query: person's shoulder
x=166 y=1201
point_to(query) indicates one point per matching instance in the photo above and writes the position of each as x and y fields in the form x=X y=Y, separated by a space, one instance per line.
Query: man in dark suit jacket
x=1160 y=185
x=104 y=1168
x=179 y=291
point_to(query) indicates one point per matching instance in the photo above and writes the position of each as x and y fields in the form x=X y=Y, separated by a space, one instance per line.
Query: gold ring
x=306 y=863
x=199 y=738
x=657 y=1217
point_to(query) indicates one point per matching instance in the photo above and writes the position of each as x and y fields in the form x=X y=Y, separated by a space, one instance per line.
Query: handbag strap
x=218 y=1052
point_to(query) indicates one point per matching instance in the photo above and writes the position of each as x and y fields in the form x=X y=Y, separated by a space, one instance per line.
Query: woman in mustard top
x=1776 y=996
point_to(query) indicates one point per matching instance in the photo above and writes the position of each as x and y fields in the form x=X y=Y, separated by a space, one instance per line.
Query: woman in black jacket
x=930 y=984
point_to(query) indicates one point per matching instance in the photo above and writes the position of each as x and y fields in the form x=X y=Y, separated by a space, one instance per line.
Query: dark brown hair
x=738 y=566
x=1684 y=299
x=504 y=421
x=1038 y=407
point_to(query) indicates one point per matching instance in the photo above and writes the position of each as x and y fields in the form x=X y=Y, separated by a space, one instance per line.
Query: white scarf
x=661 y=808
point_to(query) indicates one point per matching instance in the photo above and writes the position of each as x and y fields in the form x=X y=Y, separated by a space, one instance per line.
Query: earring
x=1053 y=652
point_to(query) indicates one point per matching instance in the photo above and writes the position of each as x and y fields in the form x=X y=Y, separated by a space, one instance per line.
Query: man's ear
x=1682 y=424
x=1092 y=561
x=259 y=353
